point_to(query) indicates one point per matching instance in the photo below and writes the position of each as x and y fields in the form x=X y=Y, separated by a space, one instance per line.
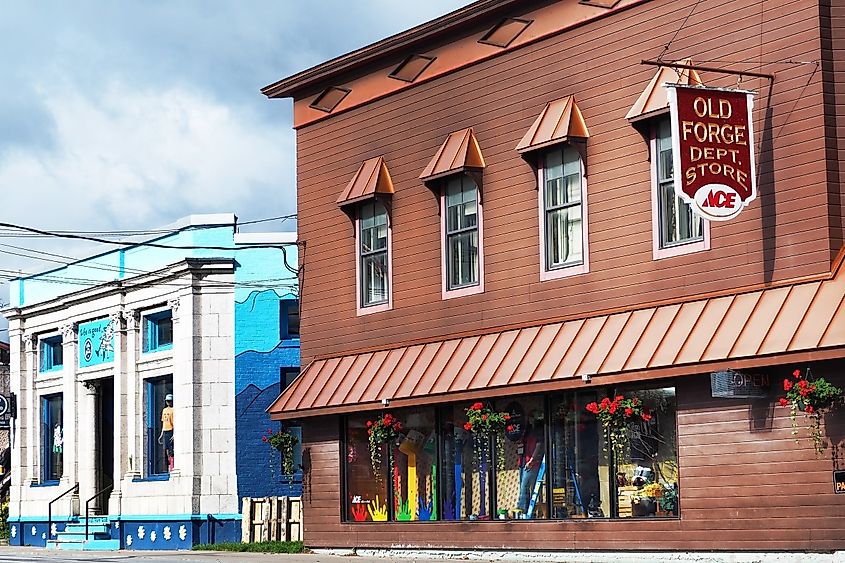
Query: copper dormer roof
x=756 y=328
x=559 y=121
x=371 y=179
x=654 y=98
x=459 y=152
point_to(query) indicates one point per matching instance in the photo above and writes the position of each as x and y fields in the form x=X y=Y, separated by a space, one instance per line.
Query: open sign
x=712 y=139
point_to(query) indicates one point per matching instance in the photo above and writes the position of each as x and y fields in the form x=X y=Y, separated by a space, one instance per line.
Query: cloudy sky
x=119 y=115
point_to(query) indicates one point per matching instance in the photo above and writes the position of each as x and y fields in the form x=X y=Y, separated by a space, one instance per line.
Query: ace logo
x=713 y=150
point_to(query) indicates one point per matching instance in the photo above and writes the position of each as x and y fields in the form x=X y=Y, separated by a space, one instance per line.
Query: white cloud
x=138 y=158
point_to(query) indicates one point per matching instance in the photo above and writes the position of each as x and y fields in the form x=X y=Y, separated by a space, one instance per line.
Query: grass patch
x=258 y=547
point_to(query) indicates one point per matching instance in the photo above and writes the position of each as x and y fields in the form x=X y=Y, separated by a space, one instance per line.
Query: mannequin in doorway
x=166 y=436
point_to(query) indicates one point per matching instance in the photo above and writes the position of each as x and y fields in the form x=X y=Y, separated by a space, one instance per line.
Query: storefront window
x=522 y=474
x=467 y=469
x=414 y=466
x=366 y=487
x=581 y=471
x=647 y=473
x=52 y=438
x=160 y=422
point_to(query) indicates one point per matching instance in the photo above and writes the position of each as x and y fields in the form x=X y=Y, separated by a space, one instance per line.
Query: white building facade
x=126 y=395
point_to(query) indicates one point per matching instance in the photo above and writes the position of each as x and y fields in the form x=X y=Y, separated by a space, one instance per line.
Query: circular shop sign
x=89 y=350
x=4 y=405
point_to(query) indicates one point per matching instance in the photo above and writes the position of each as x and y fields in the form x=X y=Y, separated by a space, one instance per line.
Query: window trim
x=680 y=249
x=583 y=267
x=360 y=308
x=45 y=341
x=447 y=293
x=150 y=319
x=149 y=384
x=46 y=426
x=284 y=317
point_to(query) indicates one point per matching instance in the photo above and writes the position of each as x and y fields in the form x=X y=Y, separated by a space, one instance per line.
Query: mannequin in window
x=531 y=458
x=166 y=436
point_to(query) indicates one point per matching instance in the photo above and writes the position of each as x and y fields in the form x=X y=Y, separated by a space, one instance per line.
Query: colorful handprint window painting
x=366 y=491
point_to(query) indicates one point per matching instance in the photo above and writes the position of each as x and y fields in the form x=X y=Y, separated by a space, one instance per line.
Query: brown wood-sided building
x=485 y=221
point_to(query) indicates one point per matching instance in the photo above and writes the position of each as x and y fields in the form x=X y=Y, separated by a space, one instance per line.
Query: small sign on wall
x=730 y=384
x=96 y=343
x=713 y=149
x=839 y=482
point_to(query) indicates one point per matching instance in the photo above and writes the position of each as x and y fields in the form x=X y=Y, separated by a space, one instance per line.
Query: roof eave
x=287 y=87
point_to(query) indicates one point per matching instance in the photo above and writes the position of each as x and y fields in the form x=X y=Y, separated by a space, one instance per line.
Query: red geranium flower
x=612 y=407
x=477 y=406
x=509 y=428
x=783 y=402
x=803 y=384
x=593 y=407
x=397 y=425
x=484 y=416
x=810 y=409
x=646 y=416
x=787 y=385
x=369 y=423
x=629 y=411
x=796 y=374
x=605 y=402
x=619 y=397
x=507 y=417
x=468 y=426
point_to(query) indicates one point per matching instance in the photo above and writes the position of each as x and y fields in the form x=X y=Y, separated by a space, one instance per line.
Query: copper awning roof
x=654 y=98
x=747 y=329
x=459 y=152
x=372 y=178
x=559 y=121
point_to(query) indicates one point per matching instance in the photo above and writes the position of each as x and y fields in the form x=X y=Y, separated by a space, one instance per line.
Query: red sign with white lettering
x=712 y=138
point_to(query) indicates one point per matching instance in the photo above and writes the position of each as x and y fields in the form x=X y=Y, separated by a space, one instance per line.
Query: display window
x=366 y=481
x=647 y=470
x=523 y=464
x=52 y=438
x=556 y=456
x=580 y=459
x=160 y=423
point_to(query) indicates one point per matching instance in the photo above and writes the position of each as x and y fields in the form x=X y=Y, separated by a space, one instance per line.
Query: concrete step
x=83 y=545
x=76 y=528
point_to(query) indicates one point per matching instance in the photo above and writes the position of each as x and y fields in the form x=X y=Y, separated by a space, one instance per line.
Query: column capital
x=174 y=305
x=29 y=340
x=131 y=316
x=68 y=332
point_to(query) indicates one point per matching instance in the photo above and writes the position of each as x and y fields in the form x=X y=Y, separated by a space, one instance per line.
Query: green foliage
x=285 y=442
x=258 y=547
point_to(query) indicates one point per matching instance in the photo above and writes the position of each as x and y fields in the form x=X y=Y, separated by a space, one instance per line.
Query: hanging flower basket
x=616 y=415
x=483 y=422
x=285 y=442
x=812 y=396
x=383 y=430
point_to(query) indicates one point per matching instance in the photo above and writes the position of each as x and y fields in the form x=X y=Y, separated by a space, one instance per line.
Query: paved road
x=36 y=555
x=26 y=555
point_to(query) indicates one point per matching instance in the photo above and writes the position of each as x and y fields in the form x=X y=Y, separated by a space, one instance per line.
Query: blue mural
x=95 y=343
x=263 y=350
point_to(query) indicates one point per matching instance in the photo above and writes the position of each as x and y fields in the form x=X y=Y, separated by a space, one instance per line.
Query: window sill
x=46 y=484
x=463 y=291
x=151 y=478
x=681 y=249
x=564 y=272
x=51 y=371
x=370 y=309
x=160 y=349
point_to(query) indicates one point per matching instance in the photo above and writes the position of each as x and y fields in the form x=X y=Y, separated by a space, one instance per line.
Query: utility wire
x=683 y=24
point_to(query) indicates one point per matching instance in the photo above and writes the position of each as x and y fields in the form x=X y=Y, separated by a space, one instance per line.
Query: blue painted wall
x=261 y=351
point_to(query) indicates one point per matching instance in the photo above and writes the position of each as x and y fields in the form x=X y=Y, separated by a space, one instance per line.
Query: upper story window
x=158 y=331
x=462 y=233
x=563 y=208
x=289 y=318
x=52 y=352
x=678 y=223
x=373 y=265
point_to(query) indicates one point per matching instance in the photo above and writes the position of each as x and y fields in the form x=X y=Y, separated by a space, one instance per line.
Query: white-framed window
x=373 y=258
x=158 y=331
x=677 y=229
x=563 y=213
x=461 y=225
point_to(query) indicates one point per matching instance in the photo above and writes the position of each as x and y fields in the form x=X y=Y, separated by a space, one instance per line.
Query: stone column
x=86 y=407
x=133 y=439
x=30 y=423
x=119 y=442
x=70 y=470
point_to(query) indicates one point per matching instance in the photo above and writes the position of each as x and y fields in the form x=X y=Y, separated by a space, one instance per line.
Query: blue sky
x=118 y=115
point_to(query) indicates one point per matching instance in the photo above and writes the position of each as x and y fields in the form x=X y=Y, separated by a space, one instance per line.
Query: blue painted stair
x=73 y=537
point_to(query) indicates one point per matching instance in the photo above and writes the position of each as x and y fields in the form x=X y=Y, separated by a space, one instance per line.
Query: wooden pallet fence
x=271 y=519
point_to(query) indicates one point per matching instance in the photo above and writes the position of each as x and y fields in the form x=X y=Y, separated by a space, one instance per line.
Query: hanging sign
x=96 y=340
x=712 y=141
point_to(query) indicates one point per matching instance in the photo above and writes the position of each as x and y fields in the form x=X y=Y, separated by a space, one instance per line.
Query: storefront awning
x=752 y=328
x=371 y=179
x=459 y=152
x=654 y=100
